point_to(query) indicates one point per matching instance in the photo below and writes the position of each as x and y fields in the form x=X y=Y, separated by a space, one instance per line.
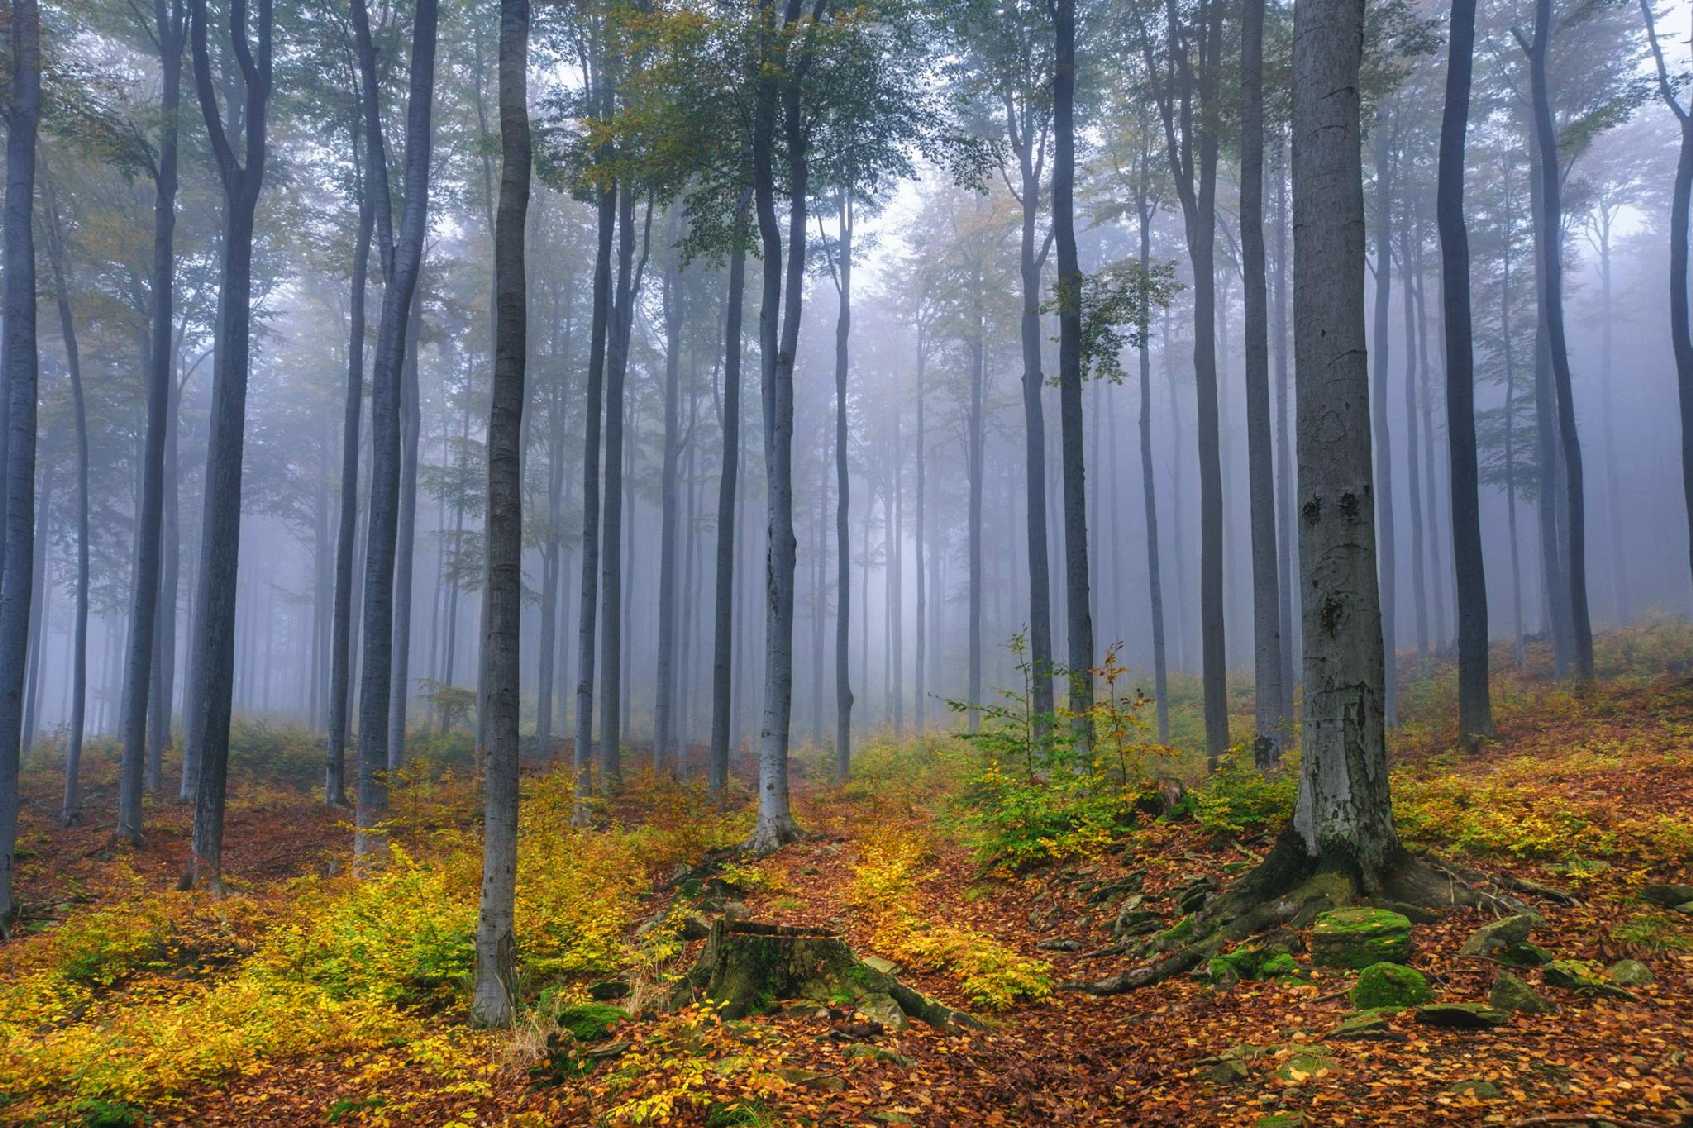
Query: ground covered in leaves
x=313 y=995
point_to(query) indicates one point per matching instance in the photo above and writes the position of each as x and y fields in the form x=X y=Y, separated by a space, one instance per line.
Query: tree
x=1475 y=708
x=401 y=262
x=1385 y=144
x=496 y=945
x=241 y=177
x=19 y=365
x=1269 y=694
x=1681 y=214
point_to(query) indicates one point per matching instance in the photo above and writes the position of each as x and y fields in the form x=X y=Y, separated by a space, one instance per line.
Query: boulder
x=1667 y=896
x=1390 y=985
x=1192 y=895
x=607 y=990
x=1252 y=962
x=1364 y=1026
x=1506 y=932
x=1306 y=1063
x=1357 y=938
x=1526 y=954
x=1480 y=1090
x=1510 y=993
x=1629 y=973
x=1586 y=978
x=1132 y=920
x=1461 y=1016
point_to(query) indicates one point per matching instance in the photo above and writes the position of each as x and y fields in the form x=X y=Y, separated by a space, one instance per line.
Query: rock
x=879 y=963
x=1461 y=1016
x=1503 y=933
x=1281 y=1120
x=1390 y=985
x=1054 y=946
x=1629 y=973
x=1364 y=1026
x=1480 y=1090
x=1357 y=938
x=608 y=989
x=736 y=910
x=1113 y=889
x=1526 y=954
x=1305 y=1064
x=1231 y=1065
x=590 y=1022
x=881 y=1009
x=1668 y=896
x=1578 y=975
x=878 y=1053
x=1686 y=908
x=812 y=1079
x=1191 y=896
x=1255 y=962
x=1510 y=993
x=1135 y=922
x=695 y=927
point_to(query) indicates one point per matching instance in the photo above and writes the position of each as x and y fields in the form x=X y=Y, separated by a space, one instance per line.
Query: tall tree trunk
x=494 y=1000
x=723 y=605
x=843 y=497
x=1287 y=531
x=37 y=610
x=145 y=600
x=974 y=470
x=1386 y=161
x=220 y=529
x=1475 y=708
x=131 y=767
x=1552 y=304
x=1154 y=571
x=1079 y=608
x=405 y=543
x=611 y=516
x=1413 y=438
x=1268 y=693
x=921 y=656
x=664 y=694
x=1519 y=648
x=1343 y=813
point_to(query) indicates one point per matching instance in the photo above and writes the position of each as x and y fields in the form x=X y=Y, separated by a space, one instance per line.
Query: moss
x=1390 y=985
x=590 y=1022
x=1359 y=937
x=1252 y=962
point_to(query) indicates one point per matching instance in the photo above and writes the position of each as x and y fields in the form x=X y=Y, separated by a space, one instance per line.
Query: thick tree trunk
x=19 y=364
x=1268 y=693
x=723 y=605
x=1079 y=613
x=1386 y=161
x=1287 y=531
x=611 y=516
x=214 y=624
x=494 y=1001
x=1343 y=815
x=1475 y=708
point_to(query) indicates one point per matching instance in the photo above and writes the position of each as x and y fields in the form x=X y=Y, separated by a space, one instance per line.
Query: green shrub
x=1238 y=800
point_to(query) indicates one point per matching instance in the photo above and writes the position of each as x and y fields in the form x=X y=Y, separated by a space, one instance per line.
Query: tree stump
x=749 y=966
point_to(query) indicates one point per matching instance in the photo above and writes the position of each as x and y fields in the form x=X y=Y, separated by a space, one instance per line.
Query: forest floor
x=315 y=996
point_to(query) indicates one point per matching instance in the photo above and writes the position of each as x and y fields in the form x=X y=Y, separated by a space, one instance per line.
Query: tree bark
x=843 y=497
x=1154 y=568
x=1386 y=160
x=405 y=547
x=494 y=1000
x=1475 y=708
x=723 y=605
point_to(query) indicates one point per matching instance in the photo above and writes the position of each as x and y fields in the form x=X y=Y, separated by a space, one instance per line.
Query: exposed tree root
x=1290 y=887
x=770 y=836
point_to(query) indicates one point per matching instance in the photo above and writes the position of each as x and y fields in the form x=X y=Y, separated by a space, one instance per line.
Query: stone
x=1390 y=985
x=1668 y=896
x=1054 y=946
x=1357 y=938
x=812 y=1079
x=590 y=1022
x=1511 y=993
x=881 y=1008
x=608 y=989
x=878 y=963
x=1135 y=922
x=1256 y=962
x=695 y=927
x=1480 y=1090
x=1629 y=973
x=1461 y=1016
x=1306 y=1064
x=1685 y=908
x=1578 y=975
x=1497 y=935
x=878 y=1053
x=1192 y=895
x=1230 y=1066
x=1526 y=954
x=1363 y=1026
x=1281 y=1120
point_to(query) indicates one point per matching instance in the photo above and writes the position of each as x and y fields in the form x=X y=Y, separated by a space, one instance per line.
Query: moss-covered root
x=748 y=966
x=1290 y=887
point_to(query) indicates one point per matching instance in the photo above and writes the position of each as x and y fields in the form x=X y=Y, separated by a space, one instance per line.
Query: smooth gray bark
x=1386 y=161
x=843 y=499
x=723 y=604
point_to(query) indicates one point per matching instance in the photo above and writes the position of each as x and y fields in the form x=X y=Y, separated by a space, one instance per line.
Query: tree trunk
x=664 y=700
x=723 y=605
x=974 y=470
x=922 y=611
x=1154 y=571
x=1413 y=437
x=220 y=528
x=1386 y=160
x=405 y=544
x=19 y=363
x=1286 y=529
x=1475 y=708
x=494 y=1001
x=1266 y=582
x=599 y=329
x=611 y=517
x=1343 y=815
x=1079 y=608
x=843 y=508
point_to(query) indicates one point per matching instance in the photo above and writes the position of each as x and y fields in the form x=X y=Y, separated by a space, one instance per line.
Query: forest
x=846 y=562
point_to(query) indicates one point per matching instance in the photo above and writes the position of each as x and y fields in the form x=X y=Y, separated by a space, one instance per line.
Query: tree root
x=1290 y=887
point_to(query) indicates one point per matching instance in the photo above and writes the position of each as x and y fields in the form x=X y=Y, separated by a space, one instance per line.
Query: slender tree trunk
x=241 y=177
x=1080 y=613
x=1266 y=581
x=1154 y=574
x=494 y=1000
x=1475 y=709
x=974 y=471
x=723 y=606
x=664 y=702
x=38 y=609
x=1519 y=647
x=922 y=626
x=611 y=517
x=1287 y=531
x=843 y=498
x=405 y=545
x=1385 y=168
x=1613 y=504
x=582 y=747
x=1413 y=438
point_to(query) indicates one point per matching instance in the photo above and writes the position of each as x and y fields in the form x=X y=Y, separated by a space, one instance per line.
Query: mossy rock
x=1480 y=1090
x=1281 y=1120
x=590 y=1022
x=1583 y=977
x=1253 y=962
x=1359 y=937
x=1510 y=993
x=1364 y=1026
x=1232 y=1065
x=1495 y=936
x=1461 y=1016
x=1668 y=896
x=1526 y=954
x=1629 y=973
x=1390 y=985
x=1306 y=1064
